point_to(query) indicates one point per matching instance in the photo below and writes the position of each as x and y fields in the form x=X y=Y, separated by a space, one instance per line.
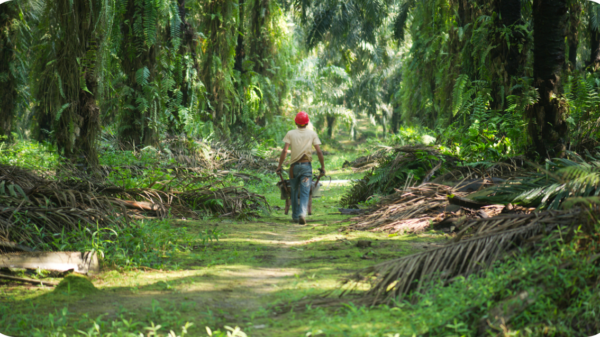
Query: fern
x=150 y=21
x=60 y=111
x=142 y=75
x=458 y=96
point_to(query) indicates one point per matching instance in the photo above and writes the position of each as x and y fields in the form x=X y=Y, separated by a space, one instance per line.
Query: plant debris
x=478 y=244
x=31 y=204
x=408 y=211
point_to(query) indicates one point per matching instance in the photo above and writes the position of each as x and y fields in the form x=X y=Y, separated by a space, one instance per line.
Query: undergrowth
x=148 y=243
x=565 y=302
x=63 y=323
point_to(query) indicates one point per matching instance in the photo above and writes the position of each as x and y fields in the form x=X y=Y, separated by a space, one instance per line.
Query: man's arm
x=321 y=160
x=283 y=155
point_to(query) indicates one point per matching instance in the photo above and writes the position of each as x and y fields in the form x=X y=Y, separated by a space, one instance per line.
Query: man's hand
x=321 y=160
x=282 y=157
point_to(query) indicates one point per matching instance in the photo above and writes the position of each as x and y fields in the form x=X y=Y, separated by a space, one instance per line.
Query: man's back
x=301 y=141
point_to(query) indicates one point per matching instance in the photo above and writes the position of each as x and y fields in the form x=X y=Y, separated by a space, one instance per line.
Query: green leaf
x=20 y=190
x=142 y=75
x=60 y=111
x=11 y=190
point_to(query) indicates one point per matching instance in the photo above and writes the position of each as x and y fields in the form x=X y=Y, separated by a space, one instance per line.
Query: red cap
x=302 y=118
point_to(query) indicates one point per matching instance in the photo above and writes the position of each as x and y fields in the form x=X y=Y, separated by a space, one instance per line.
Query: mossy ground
x=75 y=284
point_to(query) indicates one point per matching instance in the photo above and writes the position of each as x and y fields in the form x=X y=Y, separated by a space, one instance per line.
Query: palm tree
x=594 y=31
x=8 y=81
x=507 y=58
x=547 y=127
x=138 y=51
x=71 y=35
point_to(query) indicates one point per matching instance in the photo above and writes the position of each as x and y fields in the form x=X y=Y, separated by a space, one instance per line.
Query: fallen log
x=83 y=263
x=27 y=280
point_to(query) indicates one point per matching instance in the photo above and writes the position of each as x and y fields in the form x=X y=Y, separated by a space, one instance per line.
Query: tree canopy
x=504 y=69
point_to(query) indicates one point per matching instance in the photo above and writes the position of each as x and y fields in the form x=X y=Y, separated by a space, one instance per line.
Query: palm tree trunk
x=261 y=44
x=136 y=56
x=188 y=46
x=547 y=127
x=396 y=120
x=217 y=66
x=8 y=81
x=67 y=81
x=594 y=46
x=508 y=60
x=239 y=48
x=573 y=35
x=330 y=125
x=511 y=15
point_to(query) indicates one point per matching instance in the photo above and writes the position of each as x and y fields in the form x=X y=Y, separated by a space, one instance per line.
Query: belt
x=296 y=163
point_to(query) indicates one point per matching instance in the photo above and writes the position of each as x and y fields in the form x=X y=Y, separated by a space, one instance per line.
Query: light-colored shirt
x=301 y=142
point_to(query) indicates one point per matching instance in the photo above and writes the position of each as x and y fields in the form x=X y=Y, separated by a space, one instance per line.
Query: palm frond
x=488 y=241
x=546 y=189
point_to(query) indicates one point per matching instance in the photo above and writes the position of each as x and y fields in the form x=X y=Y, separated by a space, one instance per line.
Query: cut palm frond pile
x=24 y=187
x=35 y=225
x=237 y=156
x=397 y=168
x=478 y=245
x=505 y=169
x=549 y=187
x=410 y=165
x=366 y=162
x=228 y=201
x=411 y=210
x=34 y=208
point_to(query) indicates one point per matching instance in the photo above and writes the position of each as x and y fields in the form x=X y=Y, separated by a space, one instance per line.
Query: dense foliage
x=144 y=69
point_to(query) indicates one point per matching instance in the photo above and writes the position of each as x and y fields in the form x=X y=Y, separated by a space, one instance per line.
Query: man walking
x=301 y=140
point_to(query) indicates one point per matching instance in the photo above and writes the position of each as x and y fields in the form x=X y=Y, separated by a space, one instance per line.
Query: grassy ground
x=236 y=281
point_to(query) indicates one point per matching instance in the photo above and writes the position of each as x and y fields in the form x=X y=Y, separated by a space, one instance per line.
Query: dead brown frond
x=33 y=207
x=411 y=210
x=479 y=243
x=26 y=179
x=32 y=225
x=504 y=169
